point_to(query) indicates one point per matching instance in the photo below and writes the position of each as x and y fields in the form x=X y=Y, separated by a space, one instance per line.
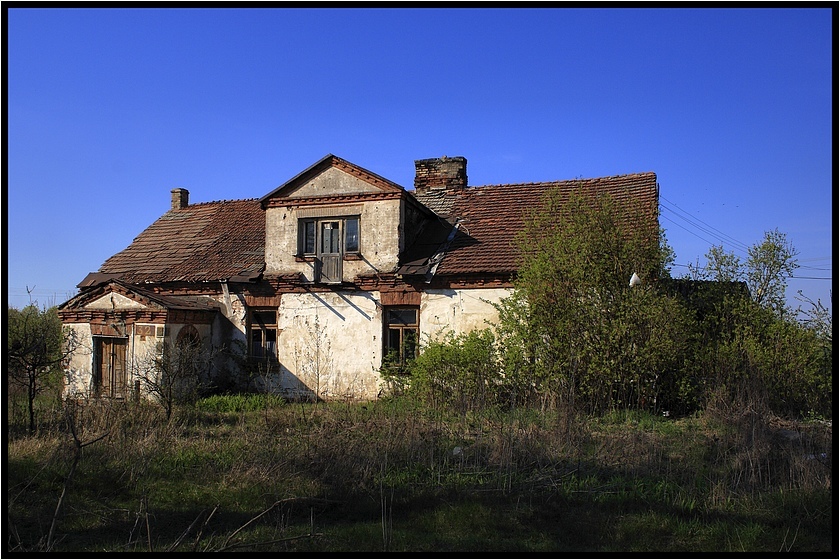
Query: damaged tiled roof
x=203 y=242
x=437 y=200
x=490 y=216
x=144 y=296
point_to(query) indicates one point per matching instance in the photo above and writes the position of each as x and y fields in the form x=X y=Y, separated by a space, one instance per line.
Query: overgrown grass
x=251 y=473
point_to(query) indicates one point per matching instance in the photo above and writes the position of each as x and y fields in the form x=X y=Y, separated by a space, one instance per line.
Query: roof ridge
x=558 y=181
x=222 y=201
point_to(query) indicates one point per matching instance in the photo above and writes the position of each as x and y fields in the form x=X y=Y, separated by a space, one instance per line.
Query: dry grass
x=391 y=475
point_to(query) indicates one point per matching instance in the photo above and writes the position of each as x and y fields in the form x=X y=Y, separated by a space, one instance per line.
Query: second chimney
x=180 y=198
x=445 y=173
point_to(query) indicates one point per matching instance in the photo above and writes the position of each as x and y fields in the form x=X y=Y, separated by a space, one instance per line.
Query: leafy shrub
x=461 y=372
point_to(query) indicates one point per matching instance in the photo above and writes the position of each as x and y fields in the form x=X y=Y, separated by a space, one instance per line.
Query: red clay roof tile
x=202 y=242
x=224 y=240
x=492 y=215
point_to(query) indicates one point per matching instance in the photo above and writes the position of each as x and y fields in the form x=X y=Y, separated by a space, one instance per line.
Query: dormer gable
x=332 y=178
x=115 y=301
x=336 y=221
x=117 y=296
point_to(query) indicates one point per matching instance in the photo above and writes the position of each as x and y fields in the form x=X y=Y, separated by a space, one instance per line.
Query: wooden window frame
x=267 y=329
x=309 y=236
x=393 y=326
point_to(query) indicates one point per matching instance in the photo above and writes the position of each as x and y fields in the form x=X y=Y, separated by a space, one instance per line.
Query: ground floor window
x=402 y=334
x=109 y=371
x=262 y=339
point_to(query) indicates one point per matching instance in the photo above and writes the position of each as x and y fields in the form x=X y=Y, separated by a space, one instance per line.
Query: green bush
x=461 y=372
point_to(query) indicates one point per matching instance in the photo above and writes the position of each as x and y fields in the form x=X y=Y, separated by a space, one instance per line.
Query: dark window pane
x=335 y=242
x=402 y=317
x=309 y=237
x=271 y=343
x=351 y=235
x=257 y=343
x=394 y=340
x=409 y=344
x=263 y=318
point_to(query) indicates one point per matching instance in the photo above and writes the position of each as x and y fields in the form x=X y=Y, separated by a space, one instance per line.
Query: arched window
x=188 y=337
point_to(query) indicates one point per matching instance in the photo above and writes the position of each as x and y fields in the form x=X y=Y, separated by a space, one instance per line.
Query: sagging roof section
x=205 y=242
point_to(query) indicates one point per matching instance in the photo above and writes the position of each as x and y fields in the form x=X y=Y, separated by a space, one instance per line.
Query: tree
x=722 y=266
x=817 y=317
x=753 y=350
x=176 y=373
x=457 y=372
x=766 y=270
x=574 y=328
x=768 y=267
x=37 y=347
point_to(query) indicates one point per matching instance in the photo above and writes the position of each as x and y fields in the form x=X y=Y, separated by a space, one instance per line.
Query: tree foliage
x=768 y=267
x=36 y=348
x=754 y=350
x=574 y=332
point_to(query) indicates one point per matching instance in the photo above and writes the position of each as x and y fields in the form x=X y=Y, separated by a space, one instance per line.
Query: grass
x=249 y=473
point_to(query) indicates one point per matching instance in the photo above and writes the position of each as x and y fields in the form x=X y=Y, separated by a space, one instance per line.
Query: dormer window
x=330 y=235
x=327 y=242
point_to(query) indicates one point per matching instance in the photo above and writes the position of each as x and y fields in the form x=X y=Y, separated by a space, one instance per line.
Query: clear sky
x=111 y=108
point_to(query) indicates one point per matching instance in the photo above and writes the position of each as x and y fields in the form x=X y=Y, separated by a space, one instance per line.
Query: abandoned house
x=309 y=288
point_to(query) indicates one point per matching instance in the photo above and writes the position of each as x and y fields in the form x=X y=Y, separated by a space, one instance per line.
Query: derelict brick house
x=316 y=282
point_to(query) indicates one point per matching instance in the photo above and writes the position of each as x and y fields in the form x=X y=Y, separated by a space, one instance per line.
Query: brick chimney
x=180 y=198
x=445 y=173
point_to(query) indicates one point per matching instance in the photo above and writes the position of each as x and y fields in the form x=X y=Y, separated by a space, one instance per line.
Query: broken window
x=402 y=334
x=263 y=335
x=109 y=371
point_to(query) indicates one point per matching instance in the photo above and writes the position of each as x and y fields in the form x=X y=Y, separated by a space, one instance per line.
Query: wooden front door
x=110 y=366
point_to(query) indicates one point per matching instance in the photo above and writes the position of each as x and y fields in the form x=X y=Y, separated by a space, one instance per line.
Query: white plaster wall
x=140 y=355
x=77 y=373
x=328 y=342
x=114 y=300
x=460 y=311
x=331 y=343
x=234 y=310
x=333 y=181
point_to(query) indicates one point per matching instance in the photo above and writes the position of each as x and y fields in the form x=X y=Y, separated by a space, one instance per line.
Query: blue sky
x=110 y=108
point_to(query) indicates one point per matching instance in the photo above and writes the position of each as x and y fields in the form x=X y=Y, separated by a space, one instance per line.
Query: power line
x=794 y=277
x=706 y=228
x=686 y=216
x=688 y=230
x=678 y=212
x=814 y=268
x=812 y=277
